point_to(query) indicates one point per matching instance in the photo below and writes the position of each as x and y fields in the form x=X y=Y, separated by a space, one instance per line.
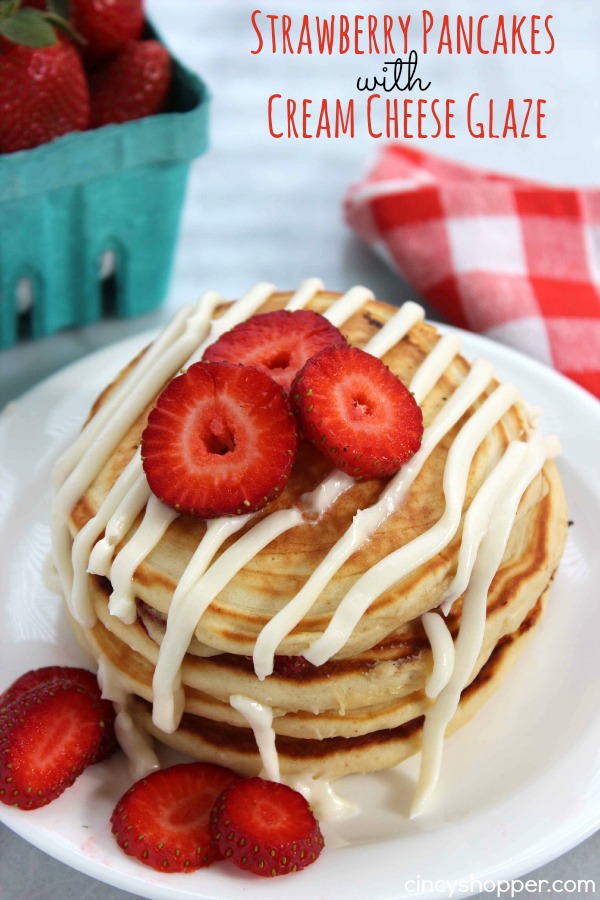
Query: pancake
x=324 y=608
x=390 y=736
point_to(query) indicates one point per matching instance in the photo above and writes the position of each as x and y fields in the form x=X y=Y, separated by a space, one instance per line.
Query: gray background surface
x=265 y=209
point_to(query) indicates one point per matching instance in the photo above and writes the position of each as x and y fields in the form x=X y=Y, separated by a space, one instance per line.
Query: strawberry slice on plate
x=48 y=736
x=265 y=828
x=357 y=412
x=220 y=441
x=278 y=343
x=67 y=674
x=163 y=820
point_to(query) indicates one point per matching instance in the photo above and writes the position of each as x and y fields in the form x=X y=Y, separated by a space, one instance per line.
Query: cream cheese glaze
x=486 y=528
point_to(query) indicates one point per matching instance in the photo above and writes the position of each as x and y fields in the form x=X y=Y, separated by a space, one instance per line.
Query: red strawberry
x=357 y=412
x=105 y=26
x=279 y=343
x=48 y=736
x=265 y=828
x=64 y=674
x=43 y=94
x=163 y=820
x=292 y=666
x=221 y=440
x=132 y=85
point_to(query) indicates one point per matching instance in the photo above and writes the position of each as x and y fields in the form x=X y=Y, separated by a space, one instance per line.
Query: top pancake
x=275 y=574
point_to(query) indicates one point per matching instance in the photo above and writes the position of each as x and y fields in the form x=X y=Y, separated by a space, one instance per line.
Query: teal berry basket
x=89 y=222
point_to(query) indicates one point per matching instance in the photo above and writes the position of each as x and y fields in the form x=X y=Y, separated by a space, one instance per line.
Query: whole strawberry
x=132 y=85
x=43 y=88
x=105 y=26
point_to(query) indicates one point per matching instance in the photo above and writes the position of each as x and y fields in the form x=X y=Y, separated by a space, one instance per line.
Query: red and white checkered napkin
x=513 y=259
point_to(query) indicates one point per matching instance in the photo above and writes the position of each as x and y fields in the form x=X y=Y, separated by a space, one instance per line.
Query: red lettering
x=286 y=25
x=551 y=36
x=357 y=32
x=510 y=120
x=370 y=102
x=479 y=132
x=516 y=34
x=344 y=34
x=404 y=25
x=275 y=134
x=253 y=19
x=445 y=36
x=291 y=113
x=480 y=46
x=428 y=21
x=540 y=116
x=304 y=40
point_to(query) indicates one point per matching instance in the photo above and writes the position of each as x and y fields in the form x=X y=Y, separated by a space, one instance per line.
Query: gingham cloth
x=512 y=259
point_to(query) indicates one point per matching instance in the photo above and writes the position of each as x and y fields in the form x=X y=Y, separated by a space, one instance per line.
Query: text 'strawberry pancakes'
x=407 y=596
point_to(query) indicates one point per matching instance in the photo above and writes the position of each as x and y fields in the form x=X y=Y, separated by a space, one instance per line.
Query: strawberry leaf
x=59 y=7
x=8 y=8
x=29 y=28
x=65 y=26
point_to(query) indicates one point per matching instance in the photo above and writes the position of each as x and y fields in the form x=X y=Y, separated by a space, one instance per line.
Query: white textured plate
x=521 y=783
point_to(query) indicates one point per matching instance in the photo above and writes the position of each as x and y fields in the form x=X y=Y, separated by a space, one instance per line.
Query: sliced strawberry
x=163 y=820
x=33 y=679
x=48 y=736
x=265 y=828
x=357 y=412
x=221 y=440
x=292 y=666
x=278 y=343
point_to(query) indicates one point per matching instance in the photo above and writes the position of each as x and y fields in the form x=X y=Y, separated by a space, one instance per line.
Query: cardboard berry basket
x=106 y=198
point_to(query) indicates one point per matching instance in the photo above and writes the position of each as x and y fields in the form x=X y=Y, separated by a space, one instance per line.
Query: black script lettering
x=400 y=78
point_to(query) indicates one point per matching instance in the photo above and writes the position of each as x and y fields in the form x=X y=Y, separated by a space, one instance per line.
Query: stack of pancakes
x=364 y=709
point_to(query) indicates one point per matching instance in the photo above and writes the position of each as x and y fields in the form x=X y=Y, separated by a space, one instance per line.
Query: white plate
x=521 y=783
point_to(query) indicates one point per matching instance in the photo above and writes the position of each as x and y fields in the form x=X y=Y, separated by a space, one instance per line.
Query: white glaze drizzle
x=305 y=293
x=365 y=522
x=184 y=616
x=134 y=741
x=242 y=309
x=400 y=324
x=84 y=552
x=131 y=504
x=96 y=442
x=472 y=624
x=442 y=649
x=340 y=311
x=156 y=520
x=434 y=365
x=327 y=804
x=104 y=416
x=259 y=717
x=478 y=518
x=217 y=532
x=392 y=568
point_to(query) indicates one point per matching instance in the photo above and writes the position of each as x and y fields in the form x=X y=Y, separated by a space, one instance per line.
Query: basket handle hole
x=24 y=303
x=109 y=285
